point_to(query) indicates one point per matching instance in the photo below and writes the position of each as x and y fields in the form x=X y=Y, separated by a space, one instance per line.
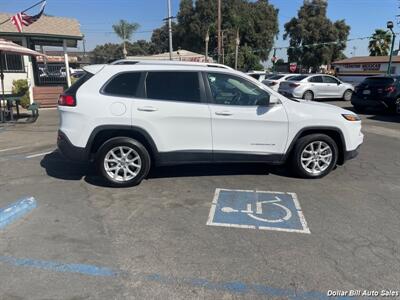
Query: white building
x=356 y=69
x=45 y=85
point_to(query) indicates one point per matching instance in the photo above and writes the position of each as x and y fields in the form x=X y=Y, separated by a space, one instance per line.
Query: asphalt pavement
x=85 y=240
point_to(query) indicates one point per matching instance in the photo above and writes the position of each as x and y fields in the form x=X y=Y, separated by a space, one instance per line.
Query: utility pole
x=390 y=27
x=207 y=39
x=219 y=31
x=237 y=49
x=170 y=29
x=273 y=60
x=222 y=47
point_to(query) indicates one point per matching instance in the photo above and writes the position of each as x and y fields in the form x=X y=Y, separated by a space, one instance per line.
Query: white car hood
x=325 y=106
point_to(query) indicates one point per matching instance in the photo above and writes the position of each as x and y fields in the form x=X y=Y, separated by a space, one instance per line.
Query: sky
x=97 y=16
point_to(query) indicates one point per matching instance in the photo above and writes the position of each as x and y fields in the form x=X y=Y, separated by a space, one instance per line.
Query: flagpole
x=36 y=4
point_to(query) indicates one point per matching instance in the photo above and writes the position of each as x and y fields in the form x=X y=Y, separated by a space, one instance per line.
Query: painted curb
x=16 y=210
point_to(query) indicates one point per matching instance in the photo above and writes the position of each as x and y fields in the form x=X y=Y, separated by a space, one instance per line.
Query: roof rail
x=167 y=62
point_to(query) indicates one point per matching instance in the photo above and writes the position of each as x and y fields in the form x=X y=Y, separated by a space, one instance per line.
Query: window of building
x=12 y=63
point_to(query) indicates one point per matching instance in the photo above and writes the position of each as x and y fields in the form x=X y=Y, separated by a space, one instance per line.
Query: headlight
x=351 y=117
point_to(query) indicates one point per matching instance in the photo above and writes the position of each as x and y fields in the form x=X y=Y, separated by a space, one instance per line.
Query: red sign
x=292 y=67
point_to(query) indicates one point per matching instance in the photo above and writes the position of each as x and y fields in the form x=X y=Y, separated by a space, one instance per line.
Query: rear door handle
x=147 y=108
x=223 y=113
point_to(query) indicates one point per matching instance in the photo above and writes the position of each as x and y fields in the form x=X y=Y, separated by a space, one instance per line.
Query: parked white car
x=310 y=87
x=273 y=82
x=128 y=117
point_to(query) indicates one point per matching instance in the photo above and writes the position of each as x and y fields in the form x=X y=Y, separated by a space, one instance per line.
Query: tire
x=303 y=162
x=308 y=95
x=347 y=95
x=126 y=168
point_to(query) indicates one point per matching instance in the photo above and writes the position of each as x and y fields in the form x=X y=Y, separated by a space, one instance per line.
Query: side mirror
x=339 y=83
x=263 y=102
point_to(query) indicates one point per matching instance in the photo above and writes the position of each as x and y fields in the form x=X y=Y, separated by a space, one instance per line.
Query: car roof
x=168 y=63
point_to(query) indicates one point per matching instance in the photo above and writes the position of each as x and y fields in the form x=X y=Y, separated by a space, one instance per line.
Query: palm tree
x=379 y=44
x=125 y=30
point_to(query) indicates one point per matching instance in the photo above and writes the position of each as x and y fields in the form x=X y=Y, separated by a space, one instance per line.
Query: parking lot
x=85 y=240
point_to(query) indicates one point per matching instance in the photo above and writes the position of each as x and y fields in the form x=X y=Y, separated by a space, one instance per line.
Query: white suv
x=131 y=115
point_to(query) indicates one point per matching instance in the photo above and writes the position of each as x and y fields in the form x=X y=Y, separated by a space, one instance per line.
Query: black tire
x=137 y=150
x=346 y=95
x=304 y=142
x=308 y=95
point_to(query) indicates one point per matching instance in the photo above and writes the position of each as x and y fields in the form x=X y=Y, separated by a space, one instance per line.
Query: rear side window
x=124 y=84
x=174 y=86
x=74 y=88
x=378 y=81
x=316 y=79
x=256 y=76
x=328 y=79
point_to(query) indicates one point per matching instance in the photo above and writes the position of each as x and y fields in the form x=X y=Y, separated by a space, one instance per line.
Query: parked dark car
x=378 y=92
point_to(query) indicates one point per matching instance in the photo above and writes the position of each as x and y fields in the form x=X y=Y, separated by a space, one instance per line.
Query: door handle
x=147 y=108
x=223 y=113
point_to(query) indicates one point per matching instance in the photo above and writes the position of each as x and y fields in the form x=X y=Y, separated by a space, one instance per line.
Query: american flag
x=22 y=19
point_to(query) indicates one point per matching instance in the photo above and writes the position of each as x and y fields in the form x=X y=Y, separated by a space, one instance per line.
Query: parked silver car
x=316 y=86
x=260 y=75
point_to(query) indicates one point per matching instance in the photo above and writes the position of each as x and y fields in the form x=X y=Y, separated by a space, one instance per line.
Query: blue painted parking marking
x=16 y=210
x=257 y=210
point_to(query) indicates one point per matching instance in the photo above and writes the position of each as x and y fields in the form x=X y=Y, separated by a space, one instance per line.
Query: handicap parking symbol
x=257 y=210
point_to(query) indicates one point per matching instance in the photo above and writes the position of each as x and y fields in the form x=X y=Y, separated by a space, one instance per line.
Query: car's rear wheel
x=347 y=95
x=314 y=156
x=123 y=161
x=308 y=95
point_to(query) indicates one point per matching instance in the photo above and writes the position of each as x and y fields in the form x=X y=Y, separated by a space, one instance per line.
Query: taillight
x=67 y=100
x=390 y=89
x=294 y=85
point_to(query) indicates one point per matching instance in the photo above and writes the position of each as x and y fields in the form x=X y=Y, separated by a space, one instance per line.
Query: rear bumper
x=69 y=151
x=378 y=103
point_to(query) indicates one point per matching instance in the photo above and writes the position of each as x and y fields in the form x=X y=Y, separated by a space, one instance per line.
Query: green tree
x=257 y=22
x=125 y=30
x=109 y=52
x=160 y=39
x=379 y=44
x=314 y=39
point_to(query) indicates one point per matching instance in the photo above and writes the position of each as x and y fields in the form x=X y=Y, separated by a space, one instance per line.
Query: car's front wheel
x=123 y=161
x=314 y=156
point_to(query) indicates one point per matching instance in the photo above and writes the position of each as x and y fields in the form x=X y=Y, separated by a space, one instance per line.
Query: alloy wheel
x=122 y=163
x=316 y=157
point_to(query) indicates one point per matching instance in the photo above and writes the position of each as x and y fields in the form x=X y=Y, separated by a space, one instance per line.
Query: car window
x=298 y=77
x=317 y=79
x=174 y=86
x=233 y=90
x=256 y=76
x=276 y=77
x=124 y=84
x=328 y=79
x=378 y=81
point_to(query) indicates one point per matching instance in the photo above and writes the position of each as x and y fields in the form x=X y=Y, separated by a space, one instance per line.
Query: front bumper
x=351 y=154
x=68 y=150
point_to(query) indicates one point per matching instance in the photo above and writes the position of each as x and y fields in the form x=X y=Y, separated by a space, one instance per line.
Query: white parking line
x=9 y=149
x=39 y=154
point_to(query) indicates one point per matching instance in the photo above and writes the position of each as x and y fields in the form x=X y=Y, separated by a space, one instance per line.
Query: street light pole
x=237 y=49
x=219 y=31
x=390 y=27
x=170 y=29
x=207 y=39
